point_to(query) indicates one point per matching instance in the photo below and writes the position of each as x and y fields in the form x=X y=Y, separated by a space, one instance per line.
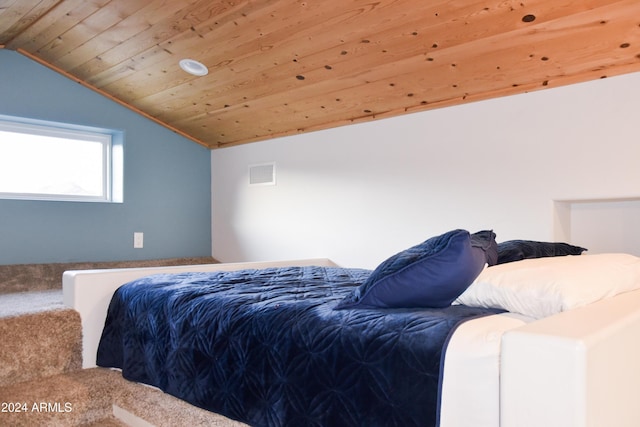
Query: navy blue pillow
x=516 y=250
x=431 y=274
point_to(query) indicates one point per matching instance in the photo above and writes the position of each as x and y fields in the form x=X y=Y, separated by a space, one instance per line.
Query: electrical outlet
x=138 y=240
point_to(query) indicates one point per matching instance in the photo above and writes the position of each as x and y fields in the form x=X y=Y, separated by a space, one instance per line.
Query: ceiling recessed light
x=194 y=67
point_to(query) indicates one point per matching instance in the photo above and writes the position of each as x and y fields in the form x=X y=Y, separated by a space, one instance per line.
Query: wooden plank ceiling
x=280 y=67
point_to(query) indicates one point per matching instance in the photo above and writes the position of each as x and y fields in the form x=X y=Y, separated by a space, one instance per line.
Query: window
x=53 y=161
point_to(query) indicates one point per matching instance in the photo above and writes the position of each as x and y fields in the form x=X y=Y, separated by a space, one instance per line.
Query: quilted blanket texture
x=266 y=347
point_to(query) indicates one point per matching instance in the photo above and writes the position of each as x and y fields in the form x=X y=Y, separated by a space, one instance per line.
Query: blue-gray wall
x=167 y=181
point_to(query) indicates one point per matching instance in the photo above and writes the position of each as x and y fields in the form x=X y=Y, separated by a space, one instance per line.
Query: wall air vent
x=262 y=174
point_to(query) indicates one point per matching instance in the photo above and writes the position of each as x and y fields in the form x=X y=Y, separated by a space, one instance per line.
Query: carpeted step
x=99 y=397
x=147 y=406
x=22 y=303
x=72 y=399
x=110 y=421
x=40 y=337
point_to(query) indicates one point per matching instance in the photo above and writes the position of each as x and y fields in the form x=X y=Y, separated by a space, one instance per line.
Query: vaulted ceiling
x=280 y=67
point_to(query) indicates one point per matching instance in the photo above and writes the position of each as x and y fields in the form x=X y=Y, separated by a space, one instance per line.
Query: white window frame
x=112 y=157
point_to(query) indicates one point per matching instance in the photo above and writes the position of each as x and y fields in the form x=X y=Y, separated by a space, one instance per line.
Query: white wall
x=360 y=193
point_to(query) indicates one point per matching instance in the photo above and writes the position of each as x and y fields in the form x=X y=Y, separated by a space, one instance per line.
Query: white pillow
x=542 y=287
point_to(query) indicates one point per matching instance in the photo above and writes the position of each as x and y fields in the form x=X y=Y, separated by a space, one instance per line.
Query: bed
x=571 y=361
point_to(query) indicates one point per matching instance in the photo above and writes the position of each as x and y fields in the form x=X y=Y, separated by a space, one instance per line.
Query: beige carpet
x=23 y=303
x=87 y=397
x=38 y=277
x=40 y=343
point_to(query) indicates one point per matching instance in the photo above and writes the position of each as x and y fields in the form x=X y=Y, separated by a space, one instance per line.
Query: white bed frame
x=580 y=368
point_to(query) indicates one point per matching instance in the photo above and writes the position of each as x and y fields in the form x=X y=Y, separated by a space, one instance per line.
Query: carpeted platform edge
x=39 y=345
x=84 y=398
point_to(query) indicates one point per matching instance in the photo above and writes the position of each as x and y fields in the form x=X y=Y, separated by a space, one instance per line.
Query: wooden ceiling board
x=52 y=23
x=465 y=77
x=16 y=15
x=280 y=67
x=175 y=22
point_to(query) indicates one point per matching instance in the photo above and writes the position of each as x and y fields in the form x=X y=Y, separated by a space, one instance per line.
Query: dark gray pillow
x=516 y=250
x=486 y=240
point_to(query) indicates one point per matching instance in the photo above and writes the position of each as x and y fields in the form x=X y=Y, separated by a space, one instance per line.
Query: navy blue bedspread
x=266 y=347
